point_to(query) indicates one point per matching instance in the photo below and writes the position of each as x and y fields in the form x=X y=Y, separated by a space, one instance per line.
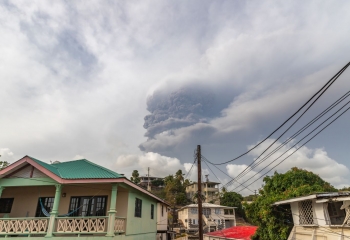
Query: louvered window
x=306 y=216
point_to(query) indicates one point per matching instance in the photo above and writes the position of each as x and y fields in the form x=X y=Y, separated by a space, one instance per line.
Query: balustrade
x=81 y=224
x=119 y=225
x=23 y=225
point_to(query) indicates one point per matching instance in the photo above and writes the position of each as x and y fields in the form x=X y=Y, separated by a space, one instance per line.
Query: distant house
x=210 y=190
x=319 y=216
x=75 y=199
x=214 y=216
x=146 y=181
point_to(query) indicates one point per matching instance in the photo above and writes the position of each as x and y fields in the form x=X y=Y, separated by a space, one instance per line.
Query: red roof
x=238 y=232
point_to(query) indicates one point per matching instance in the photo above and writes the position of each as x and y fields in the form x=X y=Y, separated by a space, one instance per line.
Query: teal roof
x=78 y=169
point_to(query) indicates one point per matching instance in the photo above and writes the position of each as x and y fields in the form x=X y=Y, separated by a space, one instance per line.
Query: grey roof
x=206 y=205
x=318 y=196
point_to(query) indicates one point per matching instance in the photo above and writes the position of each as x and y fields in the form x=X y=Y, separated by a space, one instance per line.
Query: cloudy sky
x=137 y=84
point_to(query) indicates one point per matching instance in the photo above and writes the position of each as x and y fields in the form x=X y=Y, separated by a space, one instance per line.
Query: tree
x=157 y=182
x=274 y=222
x=135 y=177
x=232 y=199
x=3 y=164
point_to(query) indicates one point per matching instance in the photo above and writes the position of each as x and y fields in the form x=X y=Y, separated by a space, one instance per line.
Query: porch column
x=112 y=211
x=54 y=212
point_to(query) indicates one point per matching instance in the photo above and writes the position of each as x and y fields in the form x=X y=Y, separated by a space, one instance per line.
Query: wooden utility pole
x=199 y=194
x=148 y=187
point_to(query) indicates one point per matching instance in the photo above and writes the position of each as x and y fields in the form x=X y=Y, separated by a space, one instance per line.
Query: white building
x=215 y=217
x=320 y=216
x=210 y=190
x=163 y=232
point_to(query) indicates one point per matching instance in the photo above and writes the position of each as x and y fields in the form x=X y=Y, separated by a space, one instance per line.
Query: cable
x=296 y=149
x=244 y=172
x=205 y=159
x=300 y=131
x=322 y=90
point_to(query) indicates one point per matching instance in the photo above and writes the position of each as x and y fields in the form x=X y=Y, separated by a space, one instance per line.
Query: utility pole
x=199 y=194
x=148 y=187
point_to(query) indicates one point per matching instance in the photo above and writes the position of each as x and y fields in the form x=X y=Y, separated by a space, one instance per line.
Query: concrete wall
x=162 y=221
x=139 y=226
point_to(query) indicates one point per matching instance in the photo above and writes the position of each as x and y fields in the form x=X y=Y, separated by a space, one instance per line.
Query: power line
x=295 y=150
x=299 y=132
x=320 y=92
x=206 y=160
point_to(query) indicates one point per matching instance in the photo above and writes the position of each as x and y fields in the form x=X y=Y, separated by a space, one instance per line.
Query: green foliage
x=157 y=182
x=344 y=189
x=233 y=199
x=175 y=189
x=135 y=177
x=3 y=164
x=251 y=197
x=273 y=222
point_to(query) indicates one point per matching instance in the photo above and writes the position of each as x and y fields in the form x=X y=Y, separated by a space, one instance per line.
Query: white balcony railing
x=82 y=224
x=63 y=225
x=119 y=225
x=20 y=226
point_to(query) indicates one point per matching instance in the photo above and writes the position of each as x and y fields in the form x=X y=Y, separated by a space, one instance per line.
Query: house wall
x=162 y=221
x=136 y=226
x=26 y=198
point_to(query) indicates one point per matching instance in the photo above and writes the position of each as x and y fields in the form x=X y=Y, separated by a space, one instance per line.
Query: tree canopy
x=233 y=199
x=135 y=177
x=275 y=224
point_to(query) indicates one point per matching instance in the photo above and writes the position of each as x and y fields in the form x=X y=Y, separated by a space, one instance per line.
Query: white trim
x=296 y=199
x=336 y=199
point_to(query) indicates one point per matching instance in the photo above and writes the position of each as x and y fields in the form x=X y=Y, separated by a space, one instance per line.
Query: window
x=217 y=211
x=138 y=207
x=47 y=203
x=194 y=210
x=88 y=206
x=336 y=214
x=6 y=205
x=306 y=213
x=194 y=221
x=162 y=210
x=228 y=211
x=152 y=211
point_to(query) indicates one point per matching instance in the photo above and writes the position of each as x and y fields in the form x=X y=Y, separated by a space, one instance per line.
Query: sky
x=137 y=84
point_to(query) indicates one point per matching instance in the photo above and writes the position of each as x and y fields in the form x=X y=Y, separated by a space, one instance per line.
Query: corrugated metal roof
x=78 y=169
x=205 y=205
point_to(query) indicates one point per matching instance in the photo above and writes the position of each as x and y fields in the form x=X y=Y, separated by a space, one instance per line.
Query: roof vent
x=55 y=162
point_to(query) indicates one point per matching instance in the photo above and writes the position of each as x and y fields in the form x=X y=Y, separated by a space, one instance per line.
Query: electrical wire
x=255 y=163
x=206 y=160
x=296 y=149
x=321 y=92
x=305 y=127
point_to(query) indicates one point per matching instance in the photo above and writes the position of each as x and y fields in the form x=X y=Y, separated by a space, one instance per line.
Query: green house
x=76 y=199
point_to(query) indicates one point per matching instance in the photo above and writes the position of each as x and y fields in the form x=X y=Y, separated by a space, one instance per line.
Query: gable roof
x=75 y=172
x=78 y=169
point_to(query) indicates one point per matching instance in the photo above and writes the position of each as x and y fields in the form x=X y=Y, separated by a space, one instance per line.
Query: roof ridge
x=103 y=168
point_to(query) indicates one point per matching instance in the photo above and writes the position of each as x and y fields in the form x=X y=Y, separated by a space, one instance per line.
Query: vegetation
x=175 y=189
x=274 y=222
x=3 y=164
x=157 y=182
x=232 y=199
x=135 y=177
